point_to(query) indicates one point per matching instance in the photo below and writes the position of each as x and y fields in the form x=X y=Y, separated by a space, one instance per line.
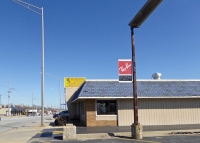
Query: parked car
x=62 y=114
x=55 y=115
x=65 y=114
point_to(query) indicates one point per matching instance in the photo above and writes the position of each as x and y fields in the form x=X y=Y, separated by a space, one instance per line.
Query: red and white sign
x=124 y=67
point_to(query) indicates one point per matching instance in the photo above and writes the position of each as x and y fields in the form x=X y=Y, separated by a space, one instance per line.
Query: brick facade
x=91 y=116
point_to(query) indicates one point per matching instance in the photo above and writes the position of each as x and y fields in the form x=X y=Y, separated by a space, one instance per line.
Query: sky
x=86 y=39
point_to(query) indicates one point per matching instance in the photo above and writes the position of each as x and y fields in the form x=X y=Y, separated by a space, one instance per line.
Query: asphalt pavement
x=118 y=134
x=161 y=139
x=12 y=122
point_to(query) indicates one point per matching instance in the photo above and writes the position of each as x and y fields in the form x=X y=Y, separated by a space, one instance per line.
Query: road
x=163 y=139
x=8 y=123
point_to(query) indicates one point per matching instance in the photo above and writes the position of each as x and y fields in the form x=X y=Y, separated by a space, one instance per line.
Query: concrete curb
x=128 y=134
x=93 y=136
x=166 y=133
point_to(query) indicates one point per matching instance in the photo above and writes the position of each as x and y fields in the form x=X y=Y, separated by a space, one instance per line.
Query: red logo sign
x=124 y=67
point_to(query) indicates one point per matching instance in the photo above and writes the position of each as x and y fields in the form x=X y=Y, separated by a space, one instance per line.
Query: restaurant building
x=110 y=102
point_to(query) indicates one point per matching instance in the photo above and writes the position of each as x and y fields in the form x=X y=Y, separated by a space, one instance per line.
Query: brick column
x=90 y=112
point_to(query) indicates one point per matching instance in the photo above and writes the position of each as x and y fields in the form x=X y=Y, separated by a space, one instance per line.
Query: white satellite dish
x=157 y=75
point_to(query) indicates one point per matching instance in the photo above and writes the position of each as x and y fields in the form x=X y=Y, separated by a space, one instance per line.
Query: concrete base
x=136 y=131
x=69 y=132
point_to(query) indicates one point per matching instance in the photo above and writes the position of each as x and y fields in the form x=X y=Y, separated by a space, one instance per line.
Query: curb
x=128 y=134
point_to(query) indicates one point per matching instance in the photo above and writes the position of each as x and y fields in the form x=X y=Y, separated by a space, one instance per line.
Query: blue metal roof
x=77 y=93
x=148 y=89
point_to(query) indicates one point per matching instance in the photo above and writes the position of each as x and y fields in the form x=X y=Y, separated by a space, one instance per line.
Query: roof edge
x=132 y=97
x=152 y=80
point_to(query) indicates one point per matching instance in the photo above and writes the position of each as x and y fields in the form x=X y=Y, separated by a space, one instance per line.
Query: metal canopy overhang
x=144 y=12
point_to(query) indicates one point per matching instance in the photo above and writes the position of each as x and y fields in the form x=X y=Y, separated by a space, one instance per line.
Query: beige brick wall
x=69 y=91
x=164 y=111
x=106 y=123
x=91 y=116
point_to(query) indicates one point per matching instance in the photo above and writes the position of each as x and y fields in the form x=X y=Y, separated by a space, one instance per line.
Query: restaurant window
x=82 y=108
x=106 y=107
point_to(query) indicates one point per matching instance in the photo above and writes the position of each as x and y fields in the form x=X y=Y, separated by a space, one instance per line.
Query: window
x=106 y=107
x=82 y=108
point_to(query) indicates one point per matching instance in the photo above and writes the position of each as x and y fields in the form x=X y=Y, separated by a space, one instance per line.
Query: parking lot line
x=138 y=140
x=57 y=132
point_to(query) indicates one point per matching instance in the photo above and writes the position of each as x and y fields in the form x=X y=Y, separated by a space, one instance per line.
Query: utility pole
x=9 y=91
x=65 y=100
x=8 y=96
x=32 y=102
x=0 y=99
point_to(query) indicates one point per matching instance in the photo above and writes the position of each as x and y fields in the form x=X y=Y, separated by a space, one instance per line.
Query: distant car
x=41 y=114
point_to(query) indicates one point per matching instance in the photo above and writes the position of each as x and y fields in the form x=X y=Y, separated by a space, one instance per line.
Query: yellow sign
x=73 y=82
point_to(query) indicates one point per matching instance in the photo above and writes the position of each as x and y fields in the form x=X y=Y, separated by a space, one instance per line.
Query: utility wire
x=23 y=94
x=15 y=101
x=3 y=85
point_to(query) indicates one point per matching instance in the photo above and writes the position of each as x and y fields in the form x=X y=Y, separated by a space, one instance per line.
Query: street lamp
x=30 y=7
x=139 y=18
x=59 y=86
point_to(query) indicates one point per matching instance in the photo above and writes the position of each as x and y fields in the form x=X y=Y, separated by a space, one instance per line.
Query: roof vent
x=156 y=75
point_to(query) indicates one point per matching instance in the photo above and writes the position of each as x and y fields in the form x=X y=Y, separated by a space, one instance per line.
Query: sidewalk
x=49 y=132
x=53 y=133
x=21 y=134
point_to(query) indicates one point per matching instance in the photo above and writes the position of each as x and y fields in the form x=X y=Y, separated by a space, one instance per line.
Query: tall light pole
x=32 y=7
x=140 y=17
x=59 y=85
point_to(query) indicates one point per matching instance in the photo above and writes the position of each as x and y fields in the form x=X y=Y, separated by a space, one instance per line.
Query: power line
x=23 y=94
x=15 y=101
x=17 y=91
x=3 y=85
